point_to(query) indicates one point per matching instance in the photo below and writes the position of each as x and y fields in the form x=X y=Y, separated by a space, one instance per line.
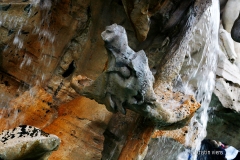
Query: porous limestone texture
x=179 y=134
x=128 y=83
x=27 y=142
x=228 y=94
x=228 y=74
x=227 y=70
x=196 y=76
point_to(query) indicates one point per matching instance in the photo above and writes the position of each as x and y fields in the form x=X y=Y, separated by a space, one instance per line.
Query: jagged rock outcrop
x=27 y=142
x=128 y=83
x=227 y=83
x=228 y=94
x=140 y=13
x=226 y=91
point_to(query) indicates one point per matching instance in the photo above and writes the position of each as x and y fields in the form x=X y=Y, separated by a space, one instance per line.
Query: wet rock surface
x=47 y=43
x=33 y=107
x=170 y=149
x=128 y=83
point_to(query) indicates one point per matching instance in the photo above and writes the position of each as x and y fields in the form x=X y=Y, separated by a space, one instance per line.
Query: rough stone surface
x=128 y=83
x=49 y=42
x=179 y=134
x=117 y=133
x=186 y=135
x=138 y=13
x=33 y=107
x=164 y=148
x=227 y=70
x=136 y=145
x=27 y=142
x=80 y=126
x=228 y=94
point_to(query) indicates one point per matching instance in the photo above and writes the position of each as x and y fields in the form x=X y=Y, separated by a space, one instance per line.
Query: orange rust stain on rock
x=33 y=107
x=80 y=126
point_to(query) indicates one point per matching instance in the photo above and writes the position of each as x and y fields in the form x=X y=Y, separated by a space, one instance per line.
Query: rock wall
x=44 y=44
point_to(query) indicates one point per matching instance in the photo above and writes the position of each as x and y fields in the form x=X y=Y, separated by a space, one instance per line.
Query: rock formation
x=128 y=83
x=27 y=142
x=228 y=71
x=47 y=45
x=228 y=45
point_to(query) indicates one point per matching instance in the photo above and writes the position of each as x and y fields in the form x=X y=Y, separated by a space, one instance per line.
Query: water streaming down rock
x=197 y=77
x=45 y=36
x=198 y=73
x=191 y=83
x=22 y=20
x=32 y=18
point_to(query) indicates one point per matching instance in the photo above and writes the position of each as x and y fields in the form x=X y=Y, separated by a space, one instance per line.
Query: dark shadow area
x=209 y=151
x=70 y=69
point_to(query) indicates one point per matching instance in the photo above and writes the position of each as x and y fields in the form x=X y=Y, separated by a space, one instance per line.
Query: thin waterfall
x=40 y=28
x=199 y=74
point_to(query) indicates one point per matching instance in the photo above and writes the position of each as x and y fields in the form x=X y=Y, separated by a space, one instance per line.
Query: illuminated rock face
x=27 y=142
x=47 y=43
x=128 y=83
